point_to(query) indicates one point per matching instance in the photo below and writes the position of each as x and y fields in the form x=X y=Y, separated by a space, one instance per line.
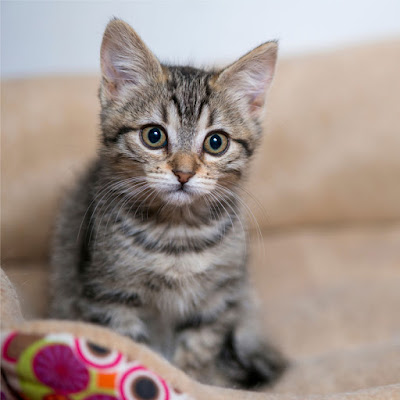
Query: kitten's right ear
x=125 y=59
x=249 y=78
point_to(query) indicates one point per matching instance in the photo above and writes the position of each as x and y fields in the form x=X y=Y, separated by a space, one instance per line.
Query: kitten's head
x=182 y=133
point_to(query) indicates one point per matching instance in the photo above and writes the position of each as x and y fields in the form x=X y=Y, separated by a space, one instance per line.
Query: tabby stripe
x=138 y=338
x=164 y=114
x=236 y=172
x=135 y=155
x=202 y=104
x=157 y=283
x=211 y=118
x=249 y=151
x=177 y=105
x=112 y=297
x=86 y=234
x=121 y=131
x=197 y=320
x=99 y=319
x=208 y=88
x=92 y=292
x=141 y=239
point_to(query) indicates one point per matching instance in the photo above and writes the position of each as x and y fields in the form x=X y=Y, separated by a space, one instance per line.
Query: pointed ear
x=125 y=59
x=250 y=77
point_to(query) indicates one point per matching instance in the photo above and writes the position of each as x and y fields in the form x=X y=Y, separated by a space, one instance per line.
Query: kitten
x=161 y=249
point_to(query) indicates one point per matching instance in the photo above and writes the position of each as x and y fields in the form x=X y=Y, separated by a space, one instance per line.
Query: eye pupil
x=215 y=142
x=154 y=135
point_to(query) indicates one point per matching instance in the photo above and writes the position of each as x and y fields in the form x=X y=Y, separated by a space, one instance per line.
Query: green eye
x=154 y=137
x=216 y=143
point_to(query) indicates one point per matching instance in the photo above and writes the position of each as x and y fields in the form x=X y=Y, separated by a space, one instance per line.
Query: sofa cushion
x=331 y=148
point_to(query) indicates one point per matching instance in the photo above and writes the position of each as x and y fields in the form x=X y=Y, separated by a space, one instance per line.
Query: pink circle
x=92 y=364
x=7 y=342
x=137 y=368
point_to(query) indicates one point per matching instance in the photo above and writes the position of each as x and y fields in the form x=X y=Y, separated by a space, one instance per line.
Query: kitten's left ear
x=126 y=60
x=250 y=77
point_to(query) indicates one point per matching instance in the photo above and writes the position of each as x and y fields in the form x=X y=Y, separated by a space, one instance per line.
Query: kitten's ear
x=250 y=77
x=125 y=59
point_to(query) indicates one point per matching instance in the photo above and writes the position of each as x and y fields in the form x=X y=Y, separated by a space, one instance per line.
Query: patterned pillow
x=64 y=367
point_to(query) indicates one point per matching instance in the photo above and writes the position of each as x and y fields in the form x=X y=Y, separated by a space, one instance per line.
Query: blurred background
x=42 y=37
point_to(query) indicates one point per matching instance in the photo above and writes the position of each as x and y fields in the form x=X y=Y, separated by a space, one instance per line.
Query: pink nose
x=183 y=177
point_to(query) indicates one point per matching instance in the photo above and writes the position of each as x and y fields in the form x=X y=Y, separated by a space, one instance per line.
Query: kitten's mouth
x=180 y=195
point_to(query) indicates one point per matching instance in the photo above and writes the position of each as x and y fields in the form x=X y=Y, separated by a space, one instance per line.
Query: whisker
x=141 y=188
x=210 y=205
x=249 y=212
x=143 y=201
x=240 y=221
x=104 y=201
x=214 y=196
x=109 y=190
x=256 y=201
x=156 y=192
x=133 y=193
x=233 y=210
x=104 y=189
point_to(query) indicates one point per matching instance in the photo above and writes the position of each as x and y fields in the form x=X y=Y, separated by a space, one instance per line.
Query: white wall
x=64 y=36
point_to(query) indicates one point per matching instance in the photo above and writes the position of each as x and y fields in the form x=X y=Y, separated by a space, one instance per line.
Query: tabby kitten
x=150 y=242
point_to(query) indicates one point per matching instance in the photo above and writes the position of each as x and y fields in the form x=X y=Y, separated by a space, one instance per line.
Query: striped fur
x=160 y=261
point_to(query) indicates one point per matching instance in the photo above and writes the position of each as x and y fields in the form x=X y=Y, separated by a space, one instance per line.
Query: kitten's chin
x=179 y=197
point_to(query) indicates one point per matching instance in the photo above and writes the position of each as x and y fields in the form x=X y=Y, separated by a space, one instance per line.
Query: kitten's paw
x=250 y=365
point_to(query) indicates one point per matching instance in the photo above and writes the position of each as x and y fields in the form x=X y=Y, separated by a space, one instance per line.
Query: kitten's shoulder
x=77 y=196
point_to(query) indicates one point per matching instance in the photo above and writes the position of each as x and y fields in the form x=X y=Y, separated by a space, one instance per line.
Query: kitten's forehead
x=188 y=95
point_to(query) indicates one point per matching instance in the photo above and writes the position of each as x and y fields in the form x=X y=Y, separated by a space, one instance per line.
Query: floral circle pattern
x=96 y=356
x=57 y=366
x=65 y=367
x=138 y=383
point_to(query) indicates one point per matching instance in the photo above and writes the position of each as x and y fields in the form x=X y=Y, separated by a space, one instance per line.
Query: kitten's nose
x=183 y=177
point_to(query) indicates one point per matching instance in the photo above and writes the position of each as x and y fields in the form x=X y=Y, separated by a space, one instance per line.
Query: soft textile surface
x=35 y=355
x=62 y=366
x=324 y=189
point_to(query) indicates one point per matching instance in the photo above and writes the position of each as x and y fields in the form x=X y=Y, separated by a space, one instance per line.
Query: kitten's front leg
x=120 y=318
x=228 y=357
x=248 y=362
x=195 y=353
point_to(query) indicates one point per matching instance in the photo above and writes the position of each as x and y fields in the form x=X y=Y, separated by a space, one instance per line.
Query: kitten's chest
x=173 y=269
x=179 y=285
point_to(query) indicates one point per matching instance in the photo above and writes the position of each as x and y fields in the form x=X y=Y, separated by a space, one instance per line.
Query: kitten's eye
x=216 y=143
x=154 y=137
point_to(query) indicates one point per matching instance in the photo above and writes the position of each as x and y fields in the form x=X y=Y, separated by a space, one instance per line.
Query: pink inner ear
x=256 y=104
x=249 y=78
x=114 y=75
x=109 y=62
x=257 y=89
x=110 y=74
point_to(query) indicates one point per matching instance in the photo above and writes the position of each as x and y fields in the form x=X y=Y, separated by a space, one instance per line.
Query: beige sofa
x=325 y=189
